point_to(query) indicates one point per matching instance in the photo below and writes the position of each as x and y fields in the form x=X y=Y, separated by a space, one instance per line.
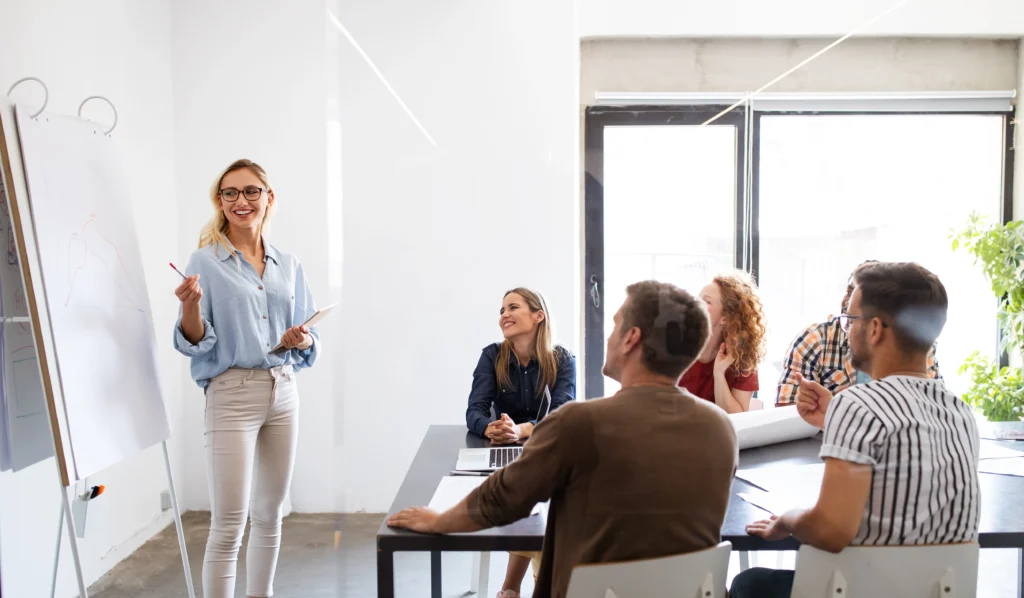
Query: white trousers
x=251 y=431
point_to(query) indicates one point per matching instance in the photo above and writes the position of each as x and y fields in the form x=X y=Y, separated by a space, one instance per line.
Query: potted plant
x=998 y=392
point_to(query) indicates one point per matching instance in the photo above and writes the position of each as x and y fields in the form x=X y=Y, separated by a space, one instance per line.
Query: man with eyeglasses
x=900 y=452
x=822 y=354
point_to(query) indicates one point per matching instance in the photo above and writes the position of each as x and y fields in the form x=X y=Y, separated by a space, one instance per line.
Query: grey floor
x=311 y=567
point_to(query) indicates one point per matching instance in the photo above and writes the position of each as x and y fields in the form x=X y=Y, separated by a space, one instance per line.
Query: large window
x=829 y=191
x=660 y=164
x=837 y=190
x=683 y=174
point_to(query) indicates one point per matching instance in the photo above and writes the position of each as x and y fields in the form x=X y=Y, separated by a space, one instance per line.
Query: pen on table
x=177 y=270
x=471 y=473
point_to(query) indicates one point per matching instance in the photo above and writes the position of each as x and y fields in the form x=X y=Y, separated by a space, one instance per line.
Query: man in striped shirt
x=822 y=354
x=900 y=452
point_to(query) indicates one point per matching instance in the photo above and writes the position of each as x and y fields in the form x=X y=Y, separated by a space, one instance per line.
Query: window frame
x=599 y=117
x=596 y=119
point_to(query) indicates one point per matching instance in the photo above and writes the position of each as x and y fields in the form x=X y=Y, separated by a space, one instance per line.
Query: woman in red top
x=726 y=371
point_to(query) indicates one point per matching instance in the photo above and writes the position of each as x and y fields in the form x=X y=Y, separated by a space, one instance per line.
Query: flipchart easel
x=19 y=201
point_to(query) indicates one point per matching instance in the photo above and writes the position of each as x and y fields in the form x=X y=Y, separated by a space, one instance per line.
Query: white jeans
x=251 y=429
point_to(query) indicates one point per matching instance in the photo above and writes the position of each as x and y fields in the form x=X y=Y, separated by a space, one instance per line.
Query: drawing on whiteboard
x=21 y=309
x=23 y=402
x=84 y=253
x=26 y=385
x=12 y=251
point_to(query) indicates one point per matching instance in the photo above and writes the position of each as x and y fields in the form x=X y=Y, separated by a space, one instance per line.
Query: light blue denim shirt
x=244 y=315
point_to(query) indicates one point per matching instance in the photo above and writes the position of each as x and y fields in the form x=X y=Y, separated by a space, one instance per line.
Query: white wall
x=250 y=81
x=121 y=49
x=799 y=18
x=433 y=236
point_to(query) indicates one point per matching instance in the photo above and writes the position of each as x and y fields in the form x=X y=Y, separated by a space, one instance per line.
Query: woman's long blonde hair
x=543 y=346
x=215 y=231
x=746 y=331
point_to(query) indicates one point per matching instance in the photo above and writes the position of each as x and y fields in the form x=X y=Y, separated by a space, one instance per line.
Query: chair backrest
x=942 y=571
x=693 y=575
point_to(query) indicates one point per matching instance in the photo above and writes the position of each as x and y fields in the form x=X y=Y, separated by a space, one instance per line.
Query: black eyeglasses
x=845 y=320
x=230 y=194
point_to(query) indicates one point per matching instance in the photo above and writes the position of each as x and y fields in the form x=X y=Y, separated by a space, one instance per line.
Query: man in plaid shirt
x=822 y=354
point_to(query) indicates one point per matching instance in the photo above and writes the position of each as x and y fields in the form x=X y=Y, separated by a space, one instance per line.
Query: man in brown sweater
x=642 y=474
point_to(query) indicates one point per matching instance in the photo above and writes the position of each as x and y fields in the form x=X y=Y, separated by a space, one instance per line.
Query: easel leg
x=56 y=552
x=70 y=522
x=177 y=523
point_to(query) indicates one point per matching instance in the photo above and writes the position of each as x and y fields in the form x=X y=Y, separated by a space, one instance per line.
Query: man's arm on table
x=509 y=494
x=833 y=522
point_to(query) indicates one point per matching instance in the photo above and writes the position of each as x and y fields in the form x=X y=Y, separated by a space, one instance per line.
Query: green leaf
x=998 y=249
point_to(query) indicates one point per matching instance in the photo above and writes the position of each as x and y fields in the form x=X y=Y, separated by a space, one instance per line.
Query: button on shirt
x=245 y=315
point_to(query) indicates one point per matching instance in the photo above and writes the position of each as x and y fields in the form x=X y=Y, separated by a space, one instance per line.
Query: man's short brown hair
x=850 y=285
x=674 y=326
x=908 y=297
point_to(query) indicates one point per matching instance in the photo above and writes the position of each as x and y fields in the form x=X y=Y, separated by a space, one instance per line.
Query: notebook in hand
x=313 y=319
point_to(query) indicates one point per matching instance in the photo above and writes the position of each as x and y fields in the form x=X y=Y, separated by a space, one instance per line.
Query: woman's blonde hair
x=215 y=231
x=543 y=346
x=746 y=332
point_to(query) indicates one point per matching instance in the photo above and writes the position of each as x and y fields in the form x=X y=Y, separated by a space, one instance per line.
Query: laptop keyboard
x=500 y=457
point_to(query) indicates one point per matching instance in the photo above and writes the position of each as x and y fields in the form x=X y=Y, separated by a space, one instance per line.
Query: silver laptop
x=493 y=459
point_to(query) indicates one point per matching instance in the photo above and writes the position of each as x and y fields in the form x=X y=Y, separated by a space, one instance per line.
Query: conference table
x=1002 y=508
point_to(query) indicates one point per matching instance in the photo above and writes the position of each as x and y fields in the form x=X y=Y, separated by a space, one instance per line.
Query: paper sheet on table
x=785 y=487
x=453 y=489
x=988 y=431
x=1014 y=467
x=995 y=451
x=776 y=503
x=770 y=426
x=798 y=480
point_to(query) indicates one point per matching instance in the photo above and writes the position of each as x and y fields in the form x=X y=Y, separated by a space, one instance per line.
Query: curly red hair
x=746 y=331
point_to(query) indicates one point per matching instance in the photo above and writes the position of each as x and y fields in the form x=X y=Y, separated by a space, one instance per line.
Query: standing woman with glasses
x=242 y=297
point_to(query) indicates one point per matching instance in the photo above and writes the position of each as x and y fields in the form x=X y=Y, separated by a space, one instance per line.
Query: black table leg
x=435 y=574
x=385 y=574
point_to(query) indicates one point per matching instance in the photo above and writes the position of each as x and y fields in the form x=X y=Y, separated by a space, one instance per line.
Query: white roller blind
x=944 y=101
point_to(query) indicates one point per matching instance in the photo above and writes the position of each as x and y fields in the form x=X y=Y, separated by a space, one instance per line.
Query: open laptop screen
x=545 y=405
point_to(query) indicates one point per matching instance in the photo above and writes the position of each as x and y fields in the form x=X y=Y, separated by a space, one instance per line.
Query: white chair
x=942 y=571
x=694 y=575
x=481 y=573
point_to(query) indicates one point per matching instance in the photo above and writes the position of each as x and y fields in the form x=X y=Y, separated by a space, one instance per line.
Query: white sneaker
x=508 y=594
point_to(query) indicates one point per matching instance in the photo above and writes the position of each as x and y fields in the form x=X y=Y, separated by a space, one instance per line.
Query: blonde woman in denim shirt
x=242 y=297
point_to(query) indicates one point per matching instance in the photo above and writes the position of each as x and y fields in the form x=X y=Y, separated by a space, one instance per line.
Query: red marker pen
x=177 y=270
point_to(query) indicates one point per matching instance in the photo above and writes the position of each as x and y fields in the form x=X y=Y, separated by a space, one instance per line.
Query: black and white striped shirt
x=922 y=443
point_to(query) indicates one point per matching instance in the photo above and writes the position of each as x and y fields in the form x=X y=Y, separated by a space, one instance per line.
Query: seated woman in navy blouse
x=511 y=375
x=510 y=378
